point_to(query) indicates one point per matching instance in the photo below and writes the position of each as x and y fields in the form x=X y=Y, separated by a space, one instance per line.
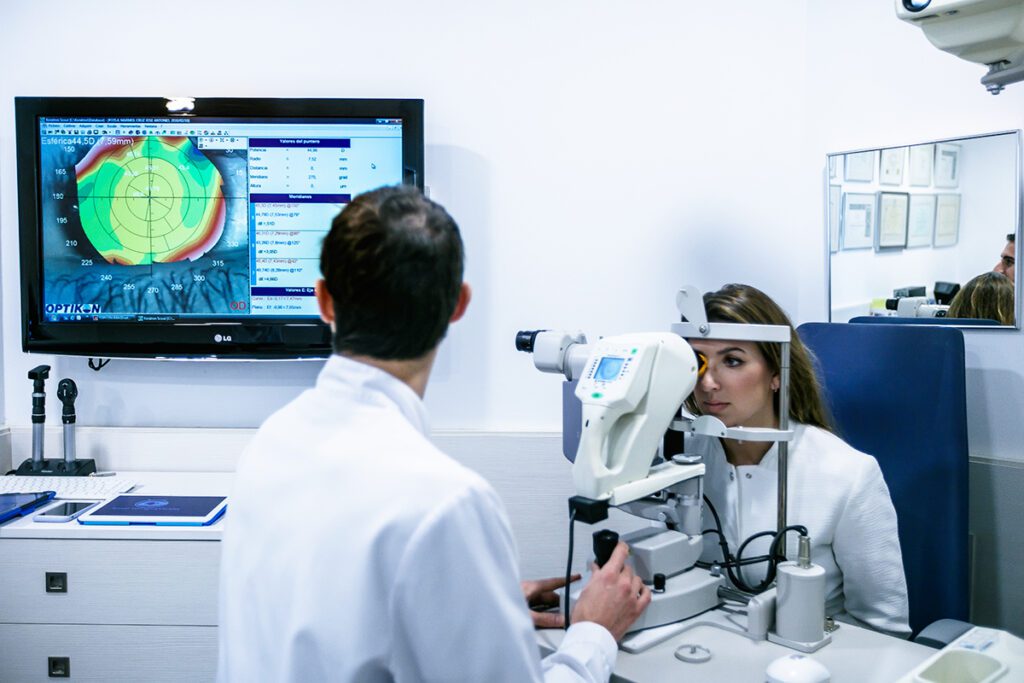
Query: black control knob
x=605 y=541
x=659 y=583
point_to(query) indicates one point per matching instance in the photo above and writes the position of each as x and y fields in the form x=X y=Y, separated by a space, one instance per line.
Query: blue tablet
x=15 y=504
x=158 y=510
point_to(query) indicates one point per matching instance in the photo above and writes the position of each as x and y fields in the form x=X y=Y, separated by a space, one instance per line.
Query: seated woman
x=836 y=492
x=988 y=296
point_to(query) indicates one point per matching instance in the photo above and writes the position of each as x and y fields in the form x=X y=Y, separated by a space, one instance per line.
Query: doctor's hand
x=615 y=597
x=541 y=595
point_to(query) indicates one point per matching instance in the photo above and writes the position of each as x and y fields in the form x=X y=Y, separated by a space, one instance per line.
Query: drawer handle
x=58 y=667
x=56 y=582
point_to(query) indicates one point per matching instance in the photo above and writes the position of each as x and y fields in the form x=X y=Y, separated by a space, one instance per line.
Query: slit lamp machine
x=632 y=388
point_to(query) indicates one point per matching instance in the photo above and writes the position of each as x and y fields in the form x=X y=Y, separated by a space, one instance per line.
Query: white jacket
x=356 y=551
x=839 y=494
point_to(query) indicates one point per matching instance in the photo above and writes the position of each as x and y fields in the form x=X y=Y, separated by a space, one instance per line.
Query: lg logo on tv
x=221 y=338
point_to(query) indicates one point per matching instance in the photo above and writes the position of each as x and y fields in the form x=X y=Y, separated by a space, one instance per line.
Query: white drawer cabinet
x=112 y=604
x=58 y=581
x=117 y=610
x=108 y=654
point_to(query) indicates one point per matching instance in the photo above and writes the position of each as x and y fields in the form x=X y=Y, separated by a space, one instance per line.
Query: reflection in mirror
x=909 y=228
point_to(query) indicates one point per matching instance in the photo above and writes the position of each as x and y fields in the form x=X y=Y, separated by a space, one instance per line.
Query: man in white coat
x=355 y=550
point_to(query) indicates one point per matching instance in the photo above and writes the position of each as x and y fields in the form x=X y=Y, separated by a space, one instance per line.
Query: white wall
x=597 y=154
x=592 y=151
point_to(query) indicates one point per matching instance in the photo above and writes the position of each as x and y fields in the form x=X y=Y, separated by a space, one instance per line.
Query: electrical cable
x=98 y=364
x=760 y=558
x=722 y=543
x=568 y=567
x=729 y=562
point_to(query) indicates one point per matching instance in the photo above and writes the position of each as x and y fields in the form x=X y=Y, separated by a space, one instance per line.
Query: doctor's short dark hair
x=393 y=263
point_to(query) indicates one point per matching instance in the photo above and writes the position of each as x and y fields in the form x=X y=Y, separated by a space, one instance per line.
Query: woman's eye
x=732 y=362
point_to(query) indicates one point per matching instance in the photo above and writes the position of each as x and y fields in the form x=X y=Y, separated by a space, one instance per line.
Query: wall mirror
x=920 y=220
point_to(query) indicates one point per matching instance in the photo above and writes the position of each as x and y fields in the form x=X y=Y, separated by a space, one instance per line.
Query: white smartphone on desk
x=64 y=511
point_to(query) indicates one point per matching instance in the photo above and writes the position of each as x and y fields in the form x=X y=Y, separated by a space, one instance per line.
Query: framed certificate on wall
x=947 y=165
x=921 y=159
x=893 y=209
x=860 y=166
x=890 y=169
x=858 y=220
x=835 y=193
x=921 y=221
x=947 y=220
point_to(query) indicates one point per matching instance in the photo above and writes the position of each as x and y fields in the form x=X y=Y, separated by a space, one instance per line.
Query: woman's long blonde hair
x=987 y=296
x=736 y=303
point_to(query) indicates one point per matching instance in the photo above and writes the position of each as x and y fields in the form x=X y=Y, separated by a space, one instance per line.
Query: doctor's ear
x=326 y=302
x=775 y=383
x=465 y=294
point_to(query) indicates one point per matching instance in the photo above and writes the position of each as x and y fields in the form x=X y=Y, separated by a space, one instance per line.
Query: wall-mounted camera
x=989 y=32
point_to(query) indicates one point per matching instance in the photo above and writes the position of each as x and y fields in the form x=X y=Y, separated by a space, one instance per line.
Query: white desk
x=855 y=655
x=140 y=602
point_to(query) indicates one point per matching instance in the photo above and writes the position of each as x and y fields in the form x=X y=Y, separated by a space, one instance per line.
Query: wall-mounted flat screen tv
x=180 y=227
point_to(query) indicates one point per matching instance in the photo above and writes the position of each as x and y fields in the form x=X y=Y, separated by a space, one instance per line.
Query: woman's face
x=738 y=385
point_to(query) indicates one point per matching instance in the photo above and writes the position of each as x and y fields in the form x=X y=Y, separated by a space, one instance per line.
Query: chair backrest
x=894 y=320
x=898 y=393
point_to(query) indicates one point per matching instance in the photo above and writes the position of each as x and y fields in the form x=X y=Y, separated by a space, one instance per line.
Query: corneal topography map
x=153 y=199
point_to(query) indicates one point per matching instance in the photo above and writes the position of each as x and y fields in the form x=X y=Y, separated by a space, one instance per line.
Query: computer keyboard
x=89 y=488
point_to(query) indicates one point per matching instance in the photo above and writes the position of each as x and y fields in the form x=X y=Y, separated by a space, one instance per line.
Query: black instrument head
x=39 y=373
x=67 y=391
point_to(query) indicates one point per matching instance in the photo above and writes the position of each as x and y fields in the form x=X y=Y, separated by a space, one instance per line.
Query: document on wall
x=891 y=169
x=921 y=223
x=893 y=208
x=921 y=158
x=858 y=220
x=835 y=194
x=947 y=164
x=947 y=220
x=860 y=166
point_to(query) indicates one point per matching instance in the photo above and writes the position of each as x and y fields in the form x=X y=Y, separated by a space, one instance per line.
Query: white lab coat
x=355 y=550
x=839 y=494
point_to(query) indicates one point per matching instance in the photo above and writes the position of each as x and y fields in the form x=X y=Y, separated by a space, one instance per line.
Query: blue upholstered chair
x=898 y=393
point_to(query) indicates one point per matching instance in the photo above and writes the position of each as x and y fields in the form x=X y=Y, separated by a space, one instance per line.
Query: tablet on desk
x=158 y=510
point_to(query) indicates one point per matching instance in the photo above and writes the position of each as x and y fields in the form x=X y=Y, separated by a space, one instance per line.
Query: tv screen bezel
x=193 y=338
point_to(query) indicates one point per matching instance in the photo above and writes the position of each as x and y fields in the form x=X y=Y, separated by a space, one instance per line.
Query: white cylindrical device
x=800 y=611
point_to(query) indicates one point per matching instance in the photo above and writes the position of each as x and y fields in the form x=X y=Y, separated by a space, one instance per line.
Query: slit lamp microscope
x=631 y=389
